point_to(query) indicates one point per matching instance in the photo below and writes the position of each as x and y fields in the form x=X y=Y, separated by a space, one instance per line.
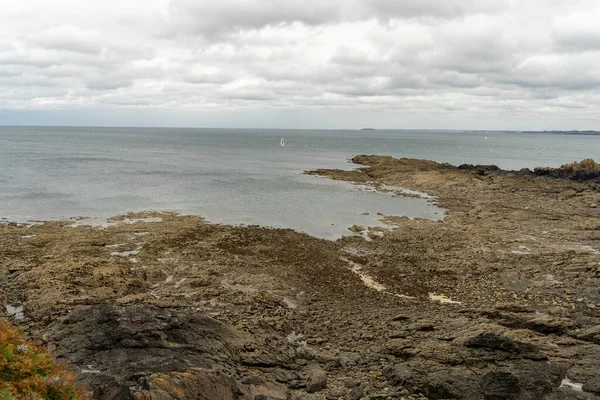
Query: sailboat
x=282 y=142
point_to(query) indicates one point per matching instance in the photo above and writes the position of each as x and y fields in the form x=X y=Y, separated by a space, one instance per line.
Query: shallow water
x=238 y=176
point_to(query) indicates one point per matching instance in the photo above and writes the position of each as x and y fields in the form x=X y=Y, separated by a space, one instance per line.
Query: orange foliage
x=29 y=372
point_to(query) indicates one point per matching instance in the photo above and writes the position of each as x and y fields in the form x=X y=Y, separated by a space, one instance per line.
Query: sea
x=241 y=176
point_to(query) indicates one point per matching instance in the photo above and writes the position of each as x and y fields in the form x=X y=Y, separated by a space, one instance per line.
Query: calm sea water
x=239 y=176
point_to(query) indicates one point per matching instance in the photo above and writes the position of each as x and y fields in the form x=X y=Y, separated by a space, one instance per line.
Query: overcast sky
x=456 y=64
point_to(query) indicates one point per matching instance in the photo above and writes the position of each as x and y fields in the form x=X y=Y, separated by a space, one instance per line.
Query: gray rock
x=317 y=381
x=397 y=375
x=356 y=394
x=500 y=386
x=592 y=386
x=306 y=353
x=494 y=341
x=351 y=383
x=335 y=393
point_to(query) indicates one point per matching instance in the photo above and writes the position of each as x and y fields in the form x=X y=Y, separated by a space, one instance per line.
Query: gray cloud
x=578 y=31
x=486 y=60
x=69 y=38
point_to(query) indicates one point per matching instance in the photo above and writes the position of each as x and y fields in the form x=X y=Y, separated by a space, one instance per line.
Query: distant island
x=368 y=129
x=574 y=132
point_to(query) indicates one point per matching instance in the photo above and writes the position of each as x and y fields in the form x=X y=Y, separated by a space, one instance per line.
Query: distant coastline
x=575 y=132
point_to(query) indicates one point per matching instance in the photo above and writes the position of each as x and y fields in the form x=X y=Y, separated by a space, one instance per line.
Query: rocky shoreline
x=497 y=301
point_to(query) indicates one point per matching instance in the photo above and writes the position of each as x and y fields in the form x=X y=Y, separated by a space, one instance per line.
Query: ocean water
x=239 y=176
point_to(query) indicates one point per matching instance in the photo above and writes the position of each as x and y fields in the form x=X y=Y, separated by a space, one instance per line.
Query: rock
x=268 y=391
x=423 y=325
x=500 y=386
x=126 y=341
x=317 y=381
x=445 y=384
x=356 y=228
x=397 y=375
x=538 y=379
x=494 y=341
x=335 y=393
x=397 y=335
x=545 y=324
x=356 y=394
x=306 y=353
x=201 y=385
x=592 y=386
x=401 y=317
x=351 y=383
x=284 y=376
x=591 y=334
x=297 y=384
x=400 y=348
x=367 y=336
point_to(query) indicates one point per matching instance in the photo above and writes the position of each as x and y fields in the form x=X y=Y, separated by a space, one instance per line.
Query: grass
x=29 y=372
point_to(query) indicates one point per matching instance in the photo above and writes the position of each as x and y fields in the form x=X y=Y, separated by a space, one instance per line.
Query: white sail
x=282 y=142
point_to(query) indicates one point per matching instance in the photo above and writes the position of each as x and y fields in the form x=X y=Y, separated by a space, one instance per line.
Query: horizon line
x=365 y=129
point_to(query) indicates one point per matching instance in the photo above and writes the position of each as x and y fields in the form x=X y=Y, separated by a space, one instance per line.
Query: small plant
x=29 y=372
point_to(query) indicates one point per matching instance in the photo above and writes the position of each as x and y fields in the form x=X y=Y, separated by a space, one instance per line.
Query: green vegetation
x=29 y=372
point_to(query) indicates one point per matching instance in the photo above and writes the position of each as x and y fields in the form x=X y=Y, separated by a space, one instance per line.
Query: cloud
x=501 y=61
x=578 y=31
x=69 y=38
x=216 y=17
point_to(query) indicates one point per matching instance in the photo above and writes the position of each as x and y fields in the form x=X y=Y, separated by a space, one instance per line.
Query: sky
x=438 y=64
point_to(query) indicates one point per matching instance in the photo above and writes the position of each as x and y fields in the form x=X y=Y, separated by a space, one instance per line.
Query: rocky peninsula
x=497 y=301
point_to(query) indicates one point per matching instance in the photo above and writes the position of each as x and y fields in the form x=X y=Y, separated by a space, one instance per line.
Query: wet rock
x=317 y=381
x=356 y=228
x=500 y=386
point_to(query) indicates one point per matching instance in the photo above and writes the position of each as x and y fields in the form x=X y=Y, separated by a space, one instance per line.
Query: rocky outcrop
x=584 y=170
x=120 y=347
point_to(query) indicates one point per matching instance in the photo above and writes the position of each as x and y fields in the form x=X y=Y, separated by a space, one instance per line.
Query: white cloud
x=507 y=63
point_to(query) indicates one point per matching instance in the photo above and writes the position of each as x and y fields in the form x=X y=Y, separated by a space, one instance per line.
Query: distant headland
x=574 y=132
